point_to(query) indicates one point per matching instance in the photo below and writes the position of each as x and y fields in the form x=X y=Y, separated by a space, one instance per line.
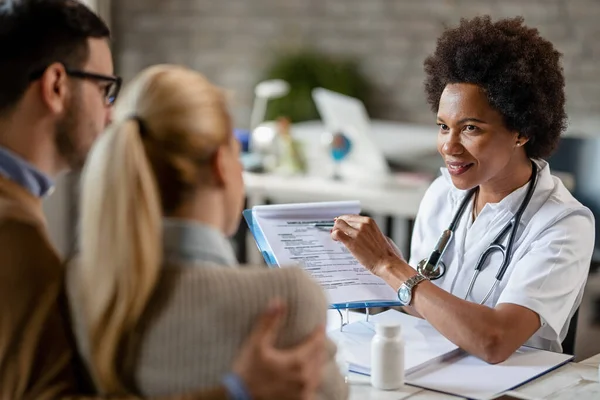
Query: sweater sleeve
x=199 y=318
x=306 y=310
x=308 y=306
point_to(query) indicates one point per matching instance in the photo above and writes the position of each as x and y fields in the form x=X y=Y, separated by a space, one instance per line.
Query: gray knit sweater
x=202 y=310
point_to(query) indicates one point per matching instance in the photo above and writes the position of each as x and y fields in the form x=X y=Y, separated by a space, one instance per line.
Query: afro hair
x=518 y=70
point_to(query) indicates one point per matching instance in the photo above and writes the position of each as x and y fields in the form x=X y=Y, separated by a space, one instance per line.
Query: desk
x=400 y=200
x=571 y=381
x=574 y=380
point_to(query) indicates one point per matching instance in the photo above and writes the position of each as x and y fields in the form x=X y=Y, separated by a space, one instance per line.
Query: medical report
x=299 y=235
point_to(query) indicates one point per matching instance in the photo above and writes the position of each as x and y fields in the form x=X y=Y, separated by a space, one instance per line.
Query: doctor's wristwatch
x=405 y=292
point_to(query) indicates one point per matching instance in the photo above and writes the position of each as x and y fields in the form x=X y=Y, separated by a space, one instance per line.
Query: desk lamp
x=263 y=136
x=263 y=92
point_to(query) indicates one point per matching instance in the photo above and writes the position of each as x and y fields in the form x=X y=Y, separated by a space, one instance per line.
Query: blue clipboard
x=260 y=240
x=267 y=253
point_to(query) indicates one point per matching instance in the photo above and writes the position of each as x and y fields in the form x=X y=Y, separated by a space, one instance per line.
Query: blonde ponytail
x=121 y=247
x=128 y=184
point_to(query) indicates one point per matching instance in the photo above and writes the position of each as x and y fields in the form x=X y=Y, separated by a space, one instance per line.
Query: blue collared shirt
x=18 y=170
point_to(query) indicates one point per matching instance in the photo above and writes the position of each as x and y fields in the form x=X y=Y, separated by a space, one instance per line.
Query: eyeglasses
x=111 y=90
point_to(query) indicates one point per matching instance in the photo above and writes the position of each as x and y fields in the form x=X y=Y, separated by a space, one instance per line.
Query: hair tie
x=142 y=126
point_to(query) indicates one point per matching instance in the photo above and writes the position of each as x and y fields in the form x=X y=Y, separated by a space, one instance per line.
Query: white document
x=295 y=240
x=470 y=377
x=423 y=345
x=433 y=362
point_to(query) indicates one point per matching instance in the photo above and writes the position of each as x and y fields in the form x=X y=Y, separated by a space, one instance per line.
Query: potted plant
x=308 y=69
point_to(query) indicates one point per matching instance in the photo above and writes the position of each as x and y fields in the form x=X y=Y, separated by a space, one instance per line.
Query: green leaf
x=307 y=69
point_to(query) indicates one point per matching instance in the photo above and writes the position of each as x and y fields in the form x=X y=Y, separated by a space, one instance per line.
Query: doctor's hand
x=366 y=242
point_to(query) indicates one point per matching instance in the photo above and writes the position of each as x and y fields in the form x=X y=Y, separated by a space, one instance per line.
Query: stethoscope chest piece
x=434 y=274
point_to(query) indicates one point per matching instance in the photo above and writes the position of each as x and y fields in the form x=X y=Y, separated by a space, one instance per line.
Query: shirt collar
x=192 y=242
x=18 y=170
x=511 y=202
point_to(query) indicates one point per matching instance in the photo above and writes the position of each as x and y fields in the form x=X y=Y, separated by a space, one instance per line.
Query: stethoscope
x=433 y=268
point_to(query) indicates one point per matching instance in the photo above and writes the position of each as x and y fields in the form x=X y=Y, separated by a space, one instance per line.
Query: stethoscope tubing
x=431 y=265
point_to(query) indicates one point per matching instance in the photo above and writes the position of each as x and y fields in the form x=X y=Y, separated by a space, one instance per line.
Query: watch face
x=404 y=295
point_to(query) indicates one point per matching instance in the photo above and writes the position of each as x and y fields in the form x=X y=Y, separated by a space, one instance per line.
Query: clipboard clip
x=347 y=321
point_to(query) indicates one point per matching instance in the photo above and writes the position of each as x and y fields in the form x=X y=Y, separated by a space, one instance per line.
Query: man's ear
x=54 y=88
x=219 y=166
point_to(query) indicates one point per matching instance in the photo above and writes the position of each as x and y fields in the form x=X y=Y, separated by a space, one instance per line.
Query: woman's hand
x=366 y=242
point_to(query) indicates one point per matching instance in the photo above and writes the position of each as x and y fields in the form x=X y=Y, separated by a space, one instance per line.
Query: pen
x=324 y=224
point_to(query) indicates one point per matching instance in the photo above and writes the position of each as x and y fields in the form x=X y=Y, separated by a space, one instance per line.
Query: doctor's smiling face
x=476 y=145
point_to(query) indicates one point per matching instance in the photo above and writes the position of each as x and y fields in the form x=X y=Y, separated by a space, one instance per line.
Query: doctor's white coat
x=551 y=254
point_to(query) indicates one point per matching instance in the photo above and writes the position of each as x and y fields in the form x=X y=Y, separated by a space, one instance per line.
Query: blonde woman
x=159 y=307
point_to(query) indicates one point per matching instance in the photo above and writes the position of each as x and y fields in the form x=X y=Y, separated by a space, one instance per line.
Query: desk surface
x=400 y=199
x=573 y=380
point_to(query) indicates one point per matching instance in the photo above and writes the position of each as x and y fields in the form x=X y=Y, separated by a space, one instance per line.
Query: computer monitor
x=578 y=156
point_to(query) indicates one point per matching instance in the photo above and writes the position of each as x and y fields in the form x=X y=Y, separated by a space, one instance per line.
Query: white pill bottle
x=387 y=357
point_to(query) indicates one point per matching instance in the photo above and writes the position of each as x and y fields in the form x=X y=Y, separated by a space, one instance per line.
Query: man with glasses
x=111 y=84
x=57 y=87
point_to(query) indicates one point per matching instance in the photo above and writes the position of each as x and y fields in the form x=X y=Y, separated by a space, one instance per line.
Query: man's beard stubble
x=66 y=137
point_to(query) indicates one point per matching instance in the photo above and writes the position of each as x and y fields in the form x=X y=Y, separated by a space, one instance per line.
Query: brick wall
x=232 y=41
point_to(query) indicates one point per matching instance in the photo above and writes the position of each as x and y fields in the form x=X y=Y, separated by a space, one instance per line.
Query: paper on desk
x=293 y=240
x=433 y=362
x=423 y=344
x=473 y=378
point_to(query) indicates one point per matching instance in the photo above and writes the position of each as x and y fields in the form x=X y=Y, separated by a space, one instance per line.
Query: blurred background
x=370 y=50
x=379 y=44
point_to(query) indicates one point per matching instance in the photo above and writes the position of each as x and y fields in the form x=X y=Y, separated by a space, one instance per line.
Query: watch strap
x=415 y=280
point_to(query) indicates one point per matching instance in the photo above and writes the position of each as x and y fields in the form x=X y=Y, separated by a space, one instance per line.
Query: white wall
x=91 y=3
x=102 y=7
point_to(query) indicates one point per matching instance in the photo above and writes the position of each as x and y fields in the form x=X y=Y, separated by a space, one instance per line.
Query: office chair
x=568 y=344
x=578 y=156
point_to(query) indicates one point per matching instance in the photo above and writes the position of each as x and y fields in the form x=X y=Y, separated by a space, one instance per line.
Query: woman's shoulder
x=560 y=205
x=255 y=275
x=248 y=283
x=238 y=296
x=556 y=213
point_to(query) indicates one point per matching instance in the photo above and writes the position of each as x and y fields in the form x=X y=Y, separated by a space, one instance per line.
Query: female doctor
x=498 y=91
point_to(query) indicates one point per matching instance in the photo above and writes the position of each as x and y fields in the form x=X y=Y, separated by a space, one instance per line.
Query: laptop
x=348 y=115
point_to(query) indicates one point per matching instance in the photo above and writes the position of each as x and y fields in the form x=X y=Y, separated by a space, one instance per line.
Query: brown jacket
x=38 y=359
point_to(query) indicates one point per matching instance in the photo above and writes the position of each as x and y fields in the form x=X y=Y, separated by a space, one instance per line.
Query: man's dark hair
x=37 y=33
x=518 y=70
